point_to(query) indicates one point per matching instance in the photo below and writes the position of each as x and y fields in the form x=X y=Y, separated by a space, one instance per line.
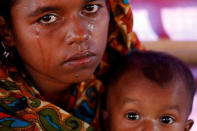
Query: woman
x=50 y=51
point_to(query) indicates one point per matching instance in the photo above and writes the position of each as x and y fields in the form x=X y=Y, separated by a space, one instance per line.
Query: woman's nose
x=78 y=31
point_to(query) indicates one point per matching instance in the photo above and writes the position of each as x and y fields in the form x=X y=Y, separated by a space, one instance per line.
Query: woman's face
x=62 y=40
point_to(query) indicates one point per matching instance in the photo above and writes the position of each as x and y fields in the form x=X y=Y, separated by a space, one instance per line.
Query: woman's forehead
x=33 y=4
x=51 y=1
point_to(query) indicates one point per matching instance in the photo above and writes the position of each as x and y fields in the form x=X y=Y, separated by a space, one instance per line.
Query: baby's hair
x=158 y=67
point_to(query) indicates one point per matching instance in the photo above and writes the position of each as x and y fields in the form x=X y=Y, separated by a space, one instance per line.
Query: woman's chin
x=78 y=77
x=83 y=77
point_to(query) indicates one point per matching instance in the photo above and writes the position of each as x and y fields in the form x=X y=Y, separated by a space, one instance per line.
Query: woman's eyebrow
x=41 y=10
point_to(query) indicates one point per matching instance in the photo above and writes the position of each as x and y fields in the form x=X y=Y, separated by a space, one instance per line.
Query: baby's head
x=149 y=91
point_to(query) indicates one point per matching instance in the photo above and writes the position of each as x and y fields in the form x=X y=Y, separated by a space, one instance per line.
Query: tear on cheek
x=90 y=27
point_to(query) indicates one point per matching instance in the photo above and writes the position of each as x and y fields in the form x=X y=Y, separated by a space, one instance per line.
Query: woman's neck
x=55 y=93
x=51 y=89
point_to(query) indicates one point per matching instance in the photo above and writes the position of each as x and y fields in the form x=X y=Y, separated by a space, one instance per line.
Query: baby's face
x=137 y=104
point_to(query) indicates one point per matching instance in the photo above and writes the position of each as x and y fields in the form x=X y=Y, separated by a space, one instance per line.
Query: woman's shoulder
x=22 y=108
x=20 y=112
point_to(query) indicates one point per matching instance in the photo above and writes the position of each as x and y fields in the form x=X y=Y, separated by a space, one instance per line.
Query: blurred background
x=169 y=26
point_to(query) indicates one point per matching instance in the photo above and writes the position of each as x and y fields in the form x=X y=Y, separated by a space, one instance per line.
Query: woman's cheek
x=102 y=29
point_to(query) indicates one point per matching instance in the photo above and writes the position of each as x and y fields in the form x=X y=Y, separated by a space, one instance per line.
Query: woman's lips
x=81 y=58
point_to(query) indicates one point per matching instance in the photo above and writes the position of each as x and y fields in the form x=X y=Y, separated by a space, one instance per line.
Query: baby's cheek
x=117 y=122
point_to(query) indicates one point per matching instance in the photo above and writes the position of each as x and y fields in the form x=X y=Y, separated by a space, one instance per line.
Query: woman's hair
x=5 y=6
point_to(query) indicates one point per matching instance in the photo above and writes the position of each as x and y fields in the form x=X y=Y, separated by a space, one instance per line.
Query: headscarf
x=23 y=108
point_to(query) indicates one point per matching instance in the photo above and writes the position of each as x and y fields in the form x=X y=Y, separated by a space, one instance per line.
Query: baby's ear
x=105 y=115
x=189 y=125
x=105 y=120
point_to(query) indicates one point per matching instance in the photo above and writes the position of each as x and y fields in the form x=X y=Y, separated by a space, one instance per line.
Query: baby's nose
x=149 y=125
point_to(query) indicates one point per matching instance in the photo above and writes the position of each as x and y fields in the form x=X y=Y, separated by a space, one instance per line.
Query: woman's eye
x=132 y=116
x=48 y=19
x=167 y=120
x=91 y=8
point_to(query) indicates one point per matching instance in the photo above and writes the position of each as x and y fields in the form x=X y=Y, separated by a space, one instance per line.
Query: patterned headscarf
x=23 y=108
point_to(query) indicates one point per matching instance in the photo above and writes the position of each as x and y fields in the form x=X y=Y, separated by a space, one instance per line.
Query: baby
x=149 y=91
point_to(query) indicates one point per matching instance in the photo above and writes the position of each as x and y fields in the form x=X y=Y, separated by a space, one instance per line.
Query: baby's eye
x=48 y=19
x=132 y=116
x=91 y=8
x=167 y=120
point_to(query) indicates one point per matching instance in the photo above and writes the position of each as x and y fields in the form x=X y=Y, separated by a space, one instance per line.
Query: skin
x=142 y=105
x=49 y=33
